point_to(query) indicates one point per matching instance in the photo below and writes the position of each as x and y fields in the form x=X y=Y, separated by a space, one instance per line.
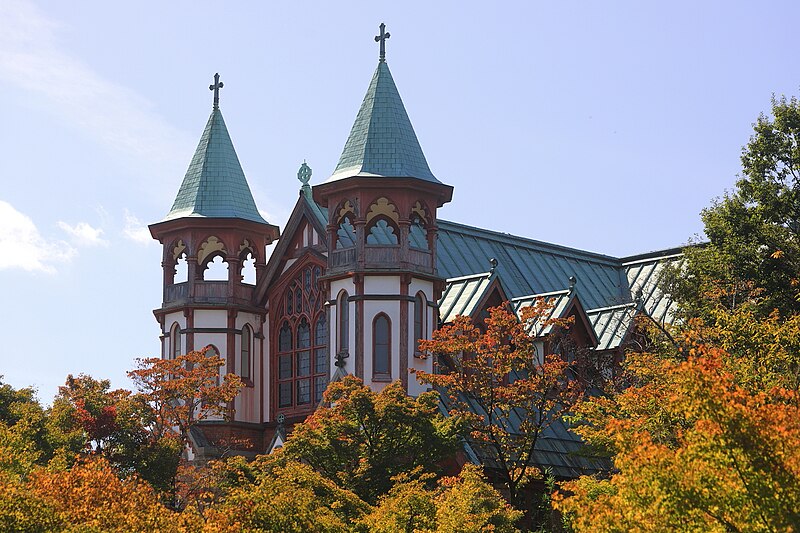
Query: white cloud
x=24 y=247
x=31 y=59
x=135 y=230
x=83 y=234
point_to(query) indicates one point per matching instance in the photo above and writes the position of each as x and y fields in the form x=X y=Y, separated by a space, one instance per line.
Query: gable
x=304 y=232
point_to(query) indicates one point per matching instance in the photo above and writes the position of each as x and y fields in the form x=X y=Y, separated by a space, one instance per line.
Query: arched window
x=211 y=351
x=419 y=320
x=343 y=326
x=175 y=341
x=302 y=351
x=381 y=348
x=245 y=360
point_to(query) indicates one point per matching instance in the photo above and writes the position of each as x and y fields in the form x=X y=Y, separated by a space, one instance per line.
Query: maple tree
x=360 y=439
x=698 y=442
x=492 y=375
x=184 y=391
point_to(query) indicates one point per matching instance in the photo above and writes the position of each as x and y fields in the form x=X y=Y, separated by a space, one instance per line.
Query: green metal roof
x=215 y=185
x=462 y=295
x=529 y=267
x=382 y=142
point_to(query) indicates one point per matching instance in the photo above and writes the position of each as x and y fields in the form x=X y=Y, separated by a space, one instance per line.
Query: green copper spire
x=382 y=142
x=214 y=185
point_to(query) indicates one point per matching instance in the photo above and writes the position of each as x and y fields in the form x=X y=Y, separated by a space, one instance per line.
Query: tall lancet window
x=175 y=341
x=247 y=339
x=381 y=348
x=301 y=363
x=343 y=326
x=419 y=320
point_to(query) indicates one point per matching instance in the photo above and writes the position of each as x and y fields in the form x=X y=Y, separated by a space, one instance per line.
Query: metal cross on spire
x=216 y=87
x=382 y=39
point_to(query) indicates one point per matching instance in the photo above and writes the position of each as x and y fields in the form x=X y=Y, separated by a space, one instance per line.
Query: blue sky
x=606 y=126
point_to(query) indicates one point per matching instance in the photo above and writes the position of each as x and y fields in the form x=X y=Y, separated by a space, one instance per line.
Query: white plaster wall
x=382 y=285
x=210 y=318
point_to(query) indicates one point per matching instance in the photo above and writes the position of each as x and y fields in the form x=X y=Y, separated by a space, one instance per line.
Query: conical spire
x=215 y=185
x=382 y=142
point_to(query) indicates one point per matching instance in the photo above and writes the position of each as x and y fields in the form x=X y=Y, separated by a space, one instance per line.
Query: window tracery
x=302 y=342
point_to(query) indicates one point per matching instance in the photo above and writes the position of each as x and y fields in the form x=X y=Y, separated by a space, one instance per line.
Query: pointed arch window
x=381 y=348
x=175 y=342
x=420 y=304
x=246 y=351
x=302 y=353
x=343 y=326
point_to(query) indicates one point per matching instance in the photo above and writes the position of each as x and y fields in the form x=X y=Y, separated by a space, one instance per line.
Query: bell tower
x=212 y=234
x=382 y=200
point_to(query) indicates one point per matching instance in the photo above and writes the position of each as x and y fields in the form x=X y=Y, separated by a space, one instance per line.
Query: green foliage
x=462 y=504
x=274 y=494
x=361 y=439
x=753 y=254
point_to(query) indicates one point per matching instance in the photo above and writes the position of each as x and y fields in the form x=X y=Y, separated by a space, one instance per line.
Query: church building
x=362 y=270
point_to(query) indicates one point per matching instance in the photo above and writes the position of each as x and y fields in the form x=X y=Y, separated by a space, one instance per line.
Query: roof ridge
x=470 y=276
x=540 y=295
x=610 y=308
x=614 y=261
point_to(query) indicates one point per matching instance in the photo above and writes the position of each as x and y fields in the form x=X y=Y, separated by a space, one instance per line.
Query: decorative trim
x=210 y=246
x=384 y=208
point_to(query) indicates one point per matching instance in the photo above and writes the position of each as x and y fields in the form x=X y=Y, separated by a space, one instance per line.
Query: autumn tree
x=753 y=249
x=91 y=496
x=698 y=442
x=184 y=391
x=465 y=503
x=492 y=376
x=276 y=494
x=360 y=439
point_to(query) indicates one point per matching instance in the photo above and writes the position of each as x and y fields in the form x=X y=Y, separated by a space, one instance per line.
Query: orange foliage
x=696 y=450
x=490 y=377
x=92 y=496
x=185 y=390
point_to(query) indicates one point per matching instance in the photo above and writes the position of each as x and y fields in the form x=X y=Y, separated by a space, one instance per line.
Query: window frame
x=420 y=312
x=175 y=348
x=248 y=376
x=382 y=376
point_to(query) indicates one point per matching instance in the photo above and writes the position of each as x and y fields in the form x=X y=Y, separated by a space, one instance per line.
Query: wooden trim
x=403 y=344
x=359 y=327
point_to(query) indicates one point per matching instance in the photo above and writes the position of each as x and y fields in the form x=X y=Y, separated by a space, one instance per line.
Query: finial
x=572 y=281
x=382 y=39
x=216 y=87
x=494 y=263
x=304 y=175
